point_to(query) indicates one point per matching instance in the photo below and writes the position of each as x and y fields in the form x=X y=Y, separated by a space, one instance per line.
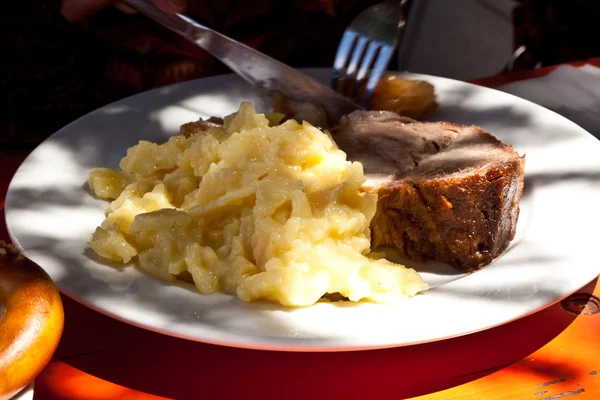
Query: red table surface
x=549 y=355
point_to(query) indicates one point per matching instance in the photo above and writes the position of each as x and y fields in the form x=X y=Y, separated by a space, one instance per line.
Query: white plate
x=25 y=394
x=50 y=216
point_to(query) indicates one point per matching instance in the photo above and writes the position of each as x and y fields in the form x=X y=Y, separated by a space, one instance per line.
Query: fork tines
x=358 y=60
x=366 y=49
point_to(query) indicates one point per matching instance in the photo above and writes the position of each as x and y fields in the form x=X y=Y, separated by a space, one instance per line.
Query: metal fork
x=366 y=48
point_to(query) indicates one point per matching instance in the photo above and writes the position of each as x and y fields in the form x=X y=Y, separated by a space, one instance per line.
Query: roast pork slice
x=446 y=192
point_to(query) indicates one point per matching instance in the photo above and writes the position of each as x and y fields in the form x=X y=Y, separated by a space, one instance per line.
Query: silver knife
x=259 y=70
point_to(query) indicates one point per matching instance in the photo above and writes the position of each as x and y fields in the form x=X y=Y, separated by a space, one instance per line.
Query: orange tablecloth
x=552 y=354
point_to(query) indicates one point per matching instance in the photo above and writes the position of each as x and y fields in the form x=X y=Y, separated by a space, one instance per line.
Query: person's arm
x=78 y=11
x=50 y=63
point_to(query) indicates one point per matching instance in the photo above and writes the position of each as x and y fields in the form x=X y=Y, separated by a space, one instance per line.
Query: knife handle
x=178 y=23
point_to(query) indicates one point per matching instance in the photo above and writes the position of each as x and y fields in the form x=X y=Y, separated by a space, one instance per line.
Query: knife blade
x=268 y=75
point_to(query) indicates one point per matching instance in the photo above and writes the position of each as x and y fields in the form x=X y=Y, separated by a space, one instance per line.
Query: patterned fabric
x=556 y=31
x=55 y=71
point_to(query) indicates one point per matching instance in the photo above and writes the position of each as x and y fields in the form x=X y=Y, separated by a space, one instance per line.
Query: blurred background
x=460 y=39
x=55 y=69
